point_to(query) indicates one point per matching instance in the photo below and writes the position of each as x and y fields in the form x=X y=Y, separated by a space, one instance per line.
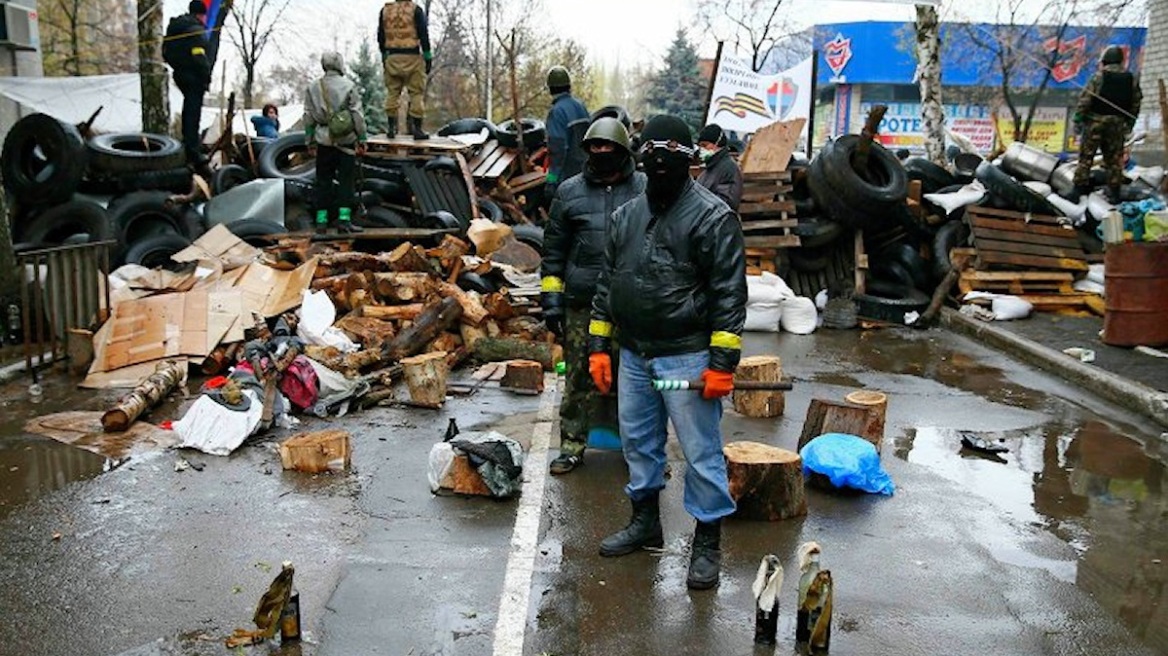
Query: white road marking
x=512 y=623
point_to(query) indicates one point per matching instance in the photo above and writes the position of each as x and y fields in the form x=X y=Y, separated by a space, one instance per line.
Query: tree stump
x=878 y=401
x=764 y=368
x=524 y=376
x=426 y=378
x=765 y=481
x=825 y=416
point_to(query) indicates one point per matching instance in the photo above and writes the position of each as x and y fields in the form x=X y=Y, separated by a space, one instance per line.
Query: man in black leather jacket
x=573 y=253
x=673 y=294
x=720 y=173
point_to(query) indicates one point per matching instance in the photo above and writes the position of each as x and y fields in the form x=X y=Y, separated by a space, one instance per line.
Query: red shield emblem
x=837 y=52
x=1069 y=58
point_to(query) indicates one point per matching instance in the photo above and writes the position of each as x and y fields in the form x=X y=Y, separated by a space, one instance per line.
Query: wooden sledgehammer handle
x=698 y=385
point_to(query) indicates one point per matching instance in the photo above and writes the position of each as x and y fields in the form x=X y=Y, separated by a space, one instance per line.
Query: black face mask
x=667 y=174
x=605 y=165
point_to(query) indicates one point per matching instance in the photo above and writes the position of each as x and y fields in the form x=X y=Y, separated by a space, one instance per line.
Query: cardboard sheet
x=160 y=327
x=219 y=244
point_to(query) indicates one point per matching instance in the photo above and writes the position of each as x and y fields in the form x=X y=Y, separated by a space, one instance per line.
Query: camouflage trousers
x=405 y=72
x=1107 y=134
x=582 y=406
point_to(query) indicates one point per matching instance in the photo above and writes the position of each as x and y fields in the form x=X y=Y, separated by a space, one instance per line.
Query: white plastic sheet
x=969 y=194
x=317 y=316
x=215 y=429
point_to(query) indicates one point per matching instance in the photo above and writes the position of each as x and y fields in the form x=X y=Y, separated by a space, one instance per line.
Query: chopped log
x=493 y=328
x=825 y=416
x=405 y=287
x=523 y=376
x=407 y=257
x=473 y=311
x=455 y=271
x=765 y=368
x=463 y=478
x=393 y=312
x=488 y=236
x=334 y=359
x=766 y=482
x=357 y=290
x=367 y=331
x=449 y=251
x=498 y=349
x=434 y=320
x=376 y=397
x=878 y=401
x=426 y=378
x=446 y=342
x=334 y=264
x=498 y=306
x=526 y=327
x=471 y=334
x=517 y=254
x=146 y=395
x=334 y=285
x=320 y=451
x=457 y=357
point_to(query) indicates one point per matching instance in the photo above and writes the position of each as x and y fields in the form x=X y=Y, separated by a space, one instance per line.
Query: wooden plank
x=778 y=241
x=1018 y=226
x=488 y=152
x=1069 y=243
x=1011 y=214
x=504 y=162
x=766 y=176
x=990 y=276
x=527 y=181
x=751 y=226
x=1030 y=261
x=773 y=187
x=1048 y=300
x=761 y=252
x=767 y=207
x=984 y=245
x=770 y=148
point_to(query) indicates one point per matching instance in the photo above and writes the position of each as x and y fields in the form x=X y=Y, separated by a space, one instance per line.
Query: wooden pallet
x=1017 y=240
x=404 y=147
x=1031 y=283
x=768 y=214
x=492 y=161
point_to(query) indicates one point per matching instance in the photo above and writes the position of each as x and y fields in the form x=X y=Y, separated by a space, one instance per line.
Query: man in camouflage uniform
x=1106 y=113
x=573 y=252
x=404 y=38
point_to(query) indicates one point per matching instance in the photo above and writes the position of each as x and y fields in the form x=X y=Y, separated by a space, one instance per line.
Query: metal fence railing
x=64 y=287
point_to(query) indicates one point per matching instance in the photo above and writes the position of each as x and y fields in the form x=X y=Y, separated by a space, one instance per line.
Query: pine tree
x=366 y=71
x=678 y=89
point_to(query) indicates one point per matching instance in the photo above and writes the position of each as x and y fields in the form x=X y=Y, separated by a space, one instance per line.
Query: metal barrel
x=1136 y=290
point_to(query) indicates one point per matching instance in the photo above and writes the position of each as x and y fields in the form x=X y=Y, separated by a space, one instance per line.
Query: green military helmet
x=1113 y=55
x=607 y=128
x=558 y=78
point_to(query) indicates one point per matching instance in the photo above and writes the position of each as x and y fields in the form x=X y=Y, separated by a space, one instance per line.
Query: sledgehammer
x=699 y=385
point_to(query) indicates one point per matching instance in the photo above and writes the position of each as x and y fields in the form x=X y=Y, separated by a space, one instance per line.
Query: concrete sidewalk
x=1134 y=380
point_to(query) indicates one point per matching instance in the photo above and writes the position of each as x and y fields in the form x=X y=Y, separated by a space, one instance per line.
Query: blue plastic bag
x=848 y=461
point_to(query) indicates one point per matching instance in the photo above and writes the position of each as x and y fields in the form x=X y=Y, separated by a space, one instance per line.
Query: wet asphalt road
x=1058 y=550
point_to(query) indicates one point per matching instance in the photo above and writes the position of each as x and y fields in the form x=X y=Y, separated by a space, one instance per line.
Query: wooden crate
x=1017 y=240
x=1040 y=283
x=768 y=214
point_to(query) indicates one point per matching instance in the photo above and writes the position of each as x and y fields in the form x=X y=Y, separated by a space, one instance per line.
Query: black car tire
x=949 y=236
x=916 y=266
x=814 y=231
x=155 y=251
x=389 y=191
x=530 y=235
x=1011 y=193
x=473 y=282
x=275 y=160
x=885 y=183
x=889 y=302
x=254 y=231
x=810 y=260
x=381 y=217
x=468 y=126
x=229 y=177
x=134 y=152
x=489 y=209
x=932 y=176
x=54 y=225
x=43 y=160
x=534 y=134
x=144 y=213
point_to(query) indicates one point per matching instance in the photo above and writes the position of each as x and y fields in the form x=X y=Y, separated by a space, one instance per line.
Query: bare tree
x=152 y=72
x=928 y=37
x=256 y=23
x=754 y=26
x=86 y=37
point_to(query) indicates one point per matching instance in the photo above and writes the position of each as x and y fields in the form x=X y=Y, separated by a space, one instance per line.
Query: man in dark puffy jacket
x=573 y=252
x=563 y=117
x=185 y=49
x=720 y=173
x=673 y=292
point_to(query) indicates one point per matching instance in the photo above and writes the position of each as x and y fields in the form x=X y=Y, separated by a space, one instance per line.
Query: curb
x=1127 y=393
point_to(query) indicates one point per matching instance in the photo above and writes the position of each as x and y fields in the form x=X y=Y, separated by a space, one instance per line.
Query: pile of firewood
x=407 y=302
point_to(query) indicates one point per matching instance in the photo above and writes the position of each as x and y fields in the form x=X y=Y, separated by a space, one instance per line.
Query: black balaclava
x=606 y=165
x=667 y=170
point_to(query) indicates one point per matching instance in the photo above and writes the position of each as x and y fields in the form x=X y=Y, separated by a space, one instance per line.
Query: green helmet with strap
x=558 y=77
x=1113 y=55
x=607 y=128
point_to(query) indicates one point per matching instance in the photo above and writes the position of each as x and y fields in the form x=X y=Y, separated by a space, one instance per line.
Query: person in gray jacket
x=720 y=173
x=336 y=140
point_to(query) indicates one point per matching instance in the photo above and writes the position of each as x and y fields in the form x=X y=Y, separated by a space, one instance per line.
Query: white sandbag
x=761 y=290
x=763 y=317
x=1008 y=308
x=1096 y=273
x=799 y=315
x=216 y=429
x=1040 y=188
x=1152 y=175
x=317 y=316
x=971 y=193
x=1076 y=213
x=1098 y=206
x=1088 y=286
x=821 y=300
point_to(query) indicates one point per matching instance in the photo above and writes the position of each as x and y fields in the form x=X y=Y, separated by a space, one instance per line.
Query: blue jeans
x=643 y=415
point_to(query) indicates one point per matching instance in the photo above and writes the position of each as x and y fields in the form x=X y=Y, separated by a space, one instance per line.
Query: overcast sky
x=627 y=31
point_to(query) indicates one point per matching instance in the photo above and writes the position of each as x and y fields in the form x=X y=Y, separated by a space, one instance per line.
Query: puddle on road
x=1094 y=488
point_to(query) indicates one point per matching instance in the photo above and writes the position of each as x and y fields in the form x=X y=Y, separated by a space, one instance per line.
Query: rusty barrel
x=1136 y=286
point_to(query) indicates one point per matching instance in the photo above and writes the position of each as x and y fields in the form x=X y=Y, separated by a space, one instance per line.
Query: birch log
x=143 y=397
x=929 y=79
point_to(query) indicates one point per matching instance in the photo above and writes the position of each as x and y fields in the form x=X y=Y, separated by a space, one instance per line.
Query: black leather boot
x=643 y=530
x=416 y=129
x=391 y=128
x=705 y=559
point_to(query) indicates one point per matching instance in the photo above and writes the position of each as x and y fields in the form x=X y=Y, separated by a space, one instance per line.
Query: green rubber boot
x=345 y=221
x=322 y=221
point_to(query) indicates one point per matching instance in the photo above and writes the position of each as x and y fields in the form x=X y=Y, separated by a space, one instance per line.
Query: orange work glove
x=718 y=383
x=600 y=366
